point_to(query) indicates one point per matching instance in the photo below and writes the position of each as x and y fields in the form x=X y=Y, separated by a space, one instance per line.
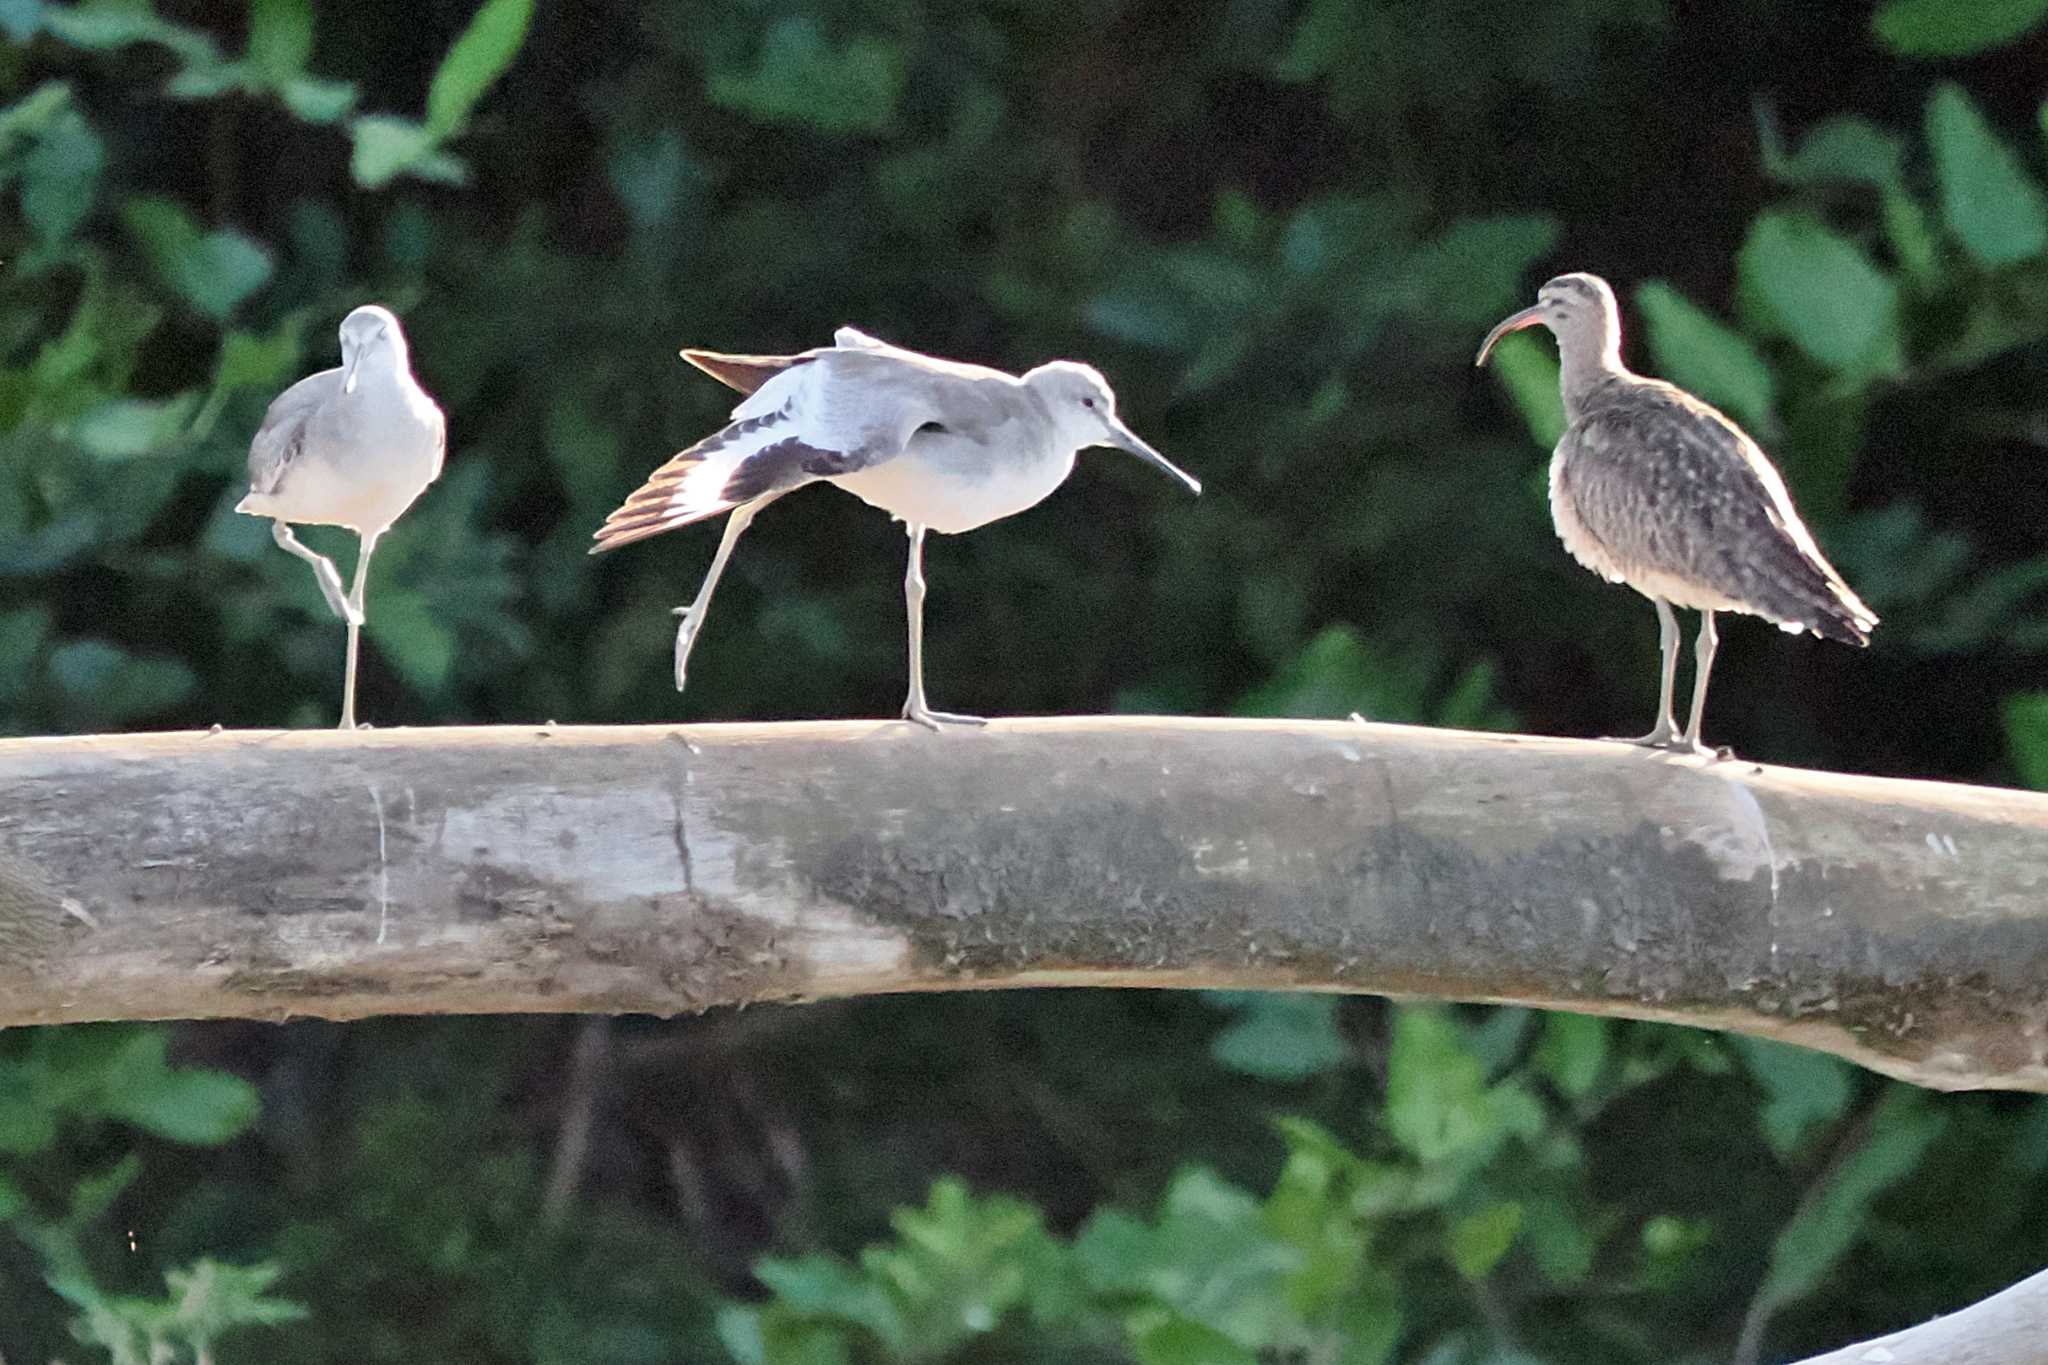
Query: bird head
x=368 y=330
x=1084 y=411
x=1580 y=311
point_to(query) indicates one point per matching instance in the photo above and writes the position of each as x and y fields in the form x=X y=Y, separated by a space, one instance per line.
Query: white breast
x=949 y=485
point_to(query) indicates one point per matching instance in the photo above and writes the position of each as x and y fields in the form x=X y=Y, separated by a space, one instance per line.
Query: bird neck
x=1585 y=361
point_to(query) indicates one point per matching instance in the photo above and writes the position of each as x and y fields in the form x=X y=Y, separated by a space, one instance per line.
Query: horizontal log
x=1901 y=924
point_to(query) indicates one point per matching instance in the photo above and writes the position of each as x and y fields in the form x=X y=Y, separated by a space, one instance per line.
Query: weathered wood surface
x=2009 y=1328
x=1901 y=924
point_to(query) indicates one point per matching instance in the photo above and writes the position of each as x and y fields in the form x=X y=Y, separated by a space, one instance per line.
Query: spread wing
x=283 y=434
x=1666 y=483
x=824 y=413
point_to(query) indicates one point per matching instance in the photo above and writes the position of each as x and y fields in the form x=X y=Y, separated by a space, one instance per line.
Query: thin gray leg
x=1666 y=730
x=324 y=571
x=914 y=708
x=356 y=618
x=1702 y=665
x=693 y=615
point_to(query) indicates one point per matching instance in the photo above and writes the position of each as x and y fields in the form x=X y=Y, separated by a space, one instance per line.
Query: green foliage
x=1996 y=210
x=1944 y=28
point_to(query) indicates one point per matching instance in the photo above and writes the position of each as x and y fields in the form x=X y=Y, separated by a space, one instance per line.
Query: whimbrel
x=347 y=447
x=939 y=445
x=1653 y=488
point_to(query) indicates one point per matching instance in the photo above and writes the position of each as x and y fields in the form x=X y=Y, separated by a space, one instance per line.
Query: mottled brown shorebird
x=1653 y=488
x=939 y=445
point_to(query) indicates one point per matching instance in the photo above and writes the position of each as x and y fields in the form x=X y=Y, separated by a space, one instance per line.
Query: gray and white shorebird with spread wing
x=349 y=447
x=1653 y=488
x=939 y=445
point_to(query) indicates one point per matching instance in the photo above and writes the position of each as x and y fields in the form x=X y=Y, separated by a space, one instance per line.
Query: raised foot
x=933 y=720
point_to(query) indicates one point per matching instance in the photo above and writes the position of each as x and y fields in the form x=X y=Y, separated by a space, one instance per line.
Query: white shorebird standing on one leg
x=1653 y=488
x=939 y=445
x=347 y=447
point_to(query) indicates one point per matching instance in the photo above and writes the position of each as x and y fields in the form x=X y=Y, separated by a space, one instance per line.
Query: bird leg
x=914 y=708
x=1665 y=732
x=693 y=615
x=355 y=630
x=323 y=570
x=1702 y=664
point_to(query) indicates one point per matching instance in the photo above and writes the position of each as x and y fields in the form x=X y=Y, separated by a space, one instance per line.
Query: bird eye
x=1087 y=402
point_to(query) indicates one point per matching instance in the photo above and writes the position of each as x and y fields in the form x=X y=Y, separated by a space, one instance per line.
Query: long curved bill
x=1126 y=439
x=1515 y=322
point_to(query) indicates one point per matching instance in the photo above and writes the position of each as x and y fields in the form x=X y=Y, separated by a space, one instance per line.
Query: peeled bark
x=264 y=875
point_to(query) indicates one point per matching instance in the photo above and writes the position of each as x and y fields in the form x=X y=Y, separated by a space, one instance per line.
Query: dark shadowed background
x=1280 y=229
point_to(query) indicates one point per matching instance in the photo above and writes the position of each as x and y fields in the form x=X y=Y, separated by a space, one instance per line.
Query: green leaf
x=104 y=679
x=386 y=146
x=1472 y=273
x=416 y=641
x=799 y=79
x=1439 y=1107
x=317 y=101
x=12 y=1201
x=1953 y=28
x=192 y=1105
x=1840 y=149
x=61 y=176
x=1573 y=1051
x=280 y=39
x=121 y=428
x=1478 y=1240
x=1700 y=353
x=1996 y=210
x=1829 y=1224
x=1180 y=1341
x=1528 y=369
x=1280 y=1035
x=1824 y=292
x=2026 y=731
x=213 y=272
x=26 y=1126
x=1804 y=1087
x=475 y=62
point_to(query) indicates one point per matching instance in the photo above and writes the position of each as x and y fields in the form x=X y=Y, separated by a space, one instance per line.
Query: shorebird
x=938 y=445
x=1653 y=488
x=347 y=447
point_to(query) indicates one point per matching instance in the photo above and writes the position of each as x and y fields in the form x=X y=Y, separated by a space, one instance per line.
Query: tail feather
x=745 y=461
x=1803 y=590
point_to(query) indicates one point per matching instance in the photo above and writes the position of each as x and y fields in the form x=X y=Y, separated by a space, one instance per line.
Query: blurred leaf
x=2026 y=731
x=1696 y=351
x=61 y=176
x=386 y=146
x=1996 y=210
x=1472 y=273
x=1828 y=1224
x=1179 y=1341
x=214 y=272
x=481 y=55
x=1479 y=1240
x=1439 y=1106
x=1529 y=370
x=280 y=39
x=798 y=79
x=1805 y=1088
x=1572 y=1051
x=1844 y=148
x=418 y=645
x=20 y=18
x=103 y=677
x=107 y=26
x=23 y=633
x=1823 y=292
x=125 y=427
x=1945 y=28
x=317 y=101
x=1279 y=1035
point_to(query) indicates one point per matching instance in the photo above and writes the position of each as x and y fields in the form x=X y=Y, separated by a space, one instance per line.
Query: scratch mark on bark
x=383 y=869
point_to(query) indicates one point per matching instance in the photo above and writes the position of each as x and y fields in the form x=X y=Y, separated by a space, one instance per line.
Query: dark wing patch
x=785 y=464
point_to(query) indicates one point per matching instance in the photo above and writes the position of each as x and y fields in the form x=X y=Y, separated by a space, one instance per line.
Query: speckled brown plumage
x=1654 y=488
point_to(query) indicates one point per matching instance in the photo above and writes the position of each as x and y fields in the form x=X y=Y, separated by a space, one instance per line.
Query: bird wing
x=826 y=413
x=282 y=437
x=1667 y=483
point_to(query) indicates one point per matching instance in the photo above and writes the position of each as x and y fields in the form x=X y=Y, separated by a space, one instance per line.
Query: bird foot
x=1671 y=741
x=918 y=714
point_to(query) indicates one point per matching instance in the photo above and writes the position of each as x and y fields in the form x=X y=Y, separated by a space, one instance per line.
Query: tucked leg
x=1702 y=665
x=1665 y=731
x=355 y=630
x=914 y=708
x=693 y=615
x=324 y=571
